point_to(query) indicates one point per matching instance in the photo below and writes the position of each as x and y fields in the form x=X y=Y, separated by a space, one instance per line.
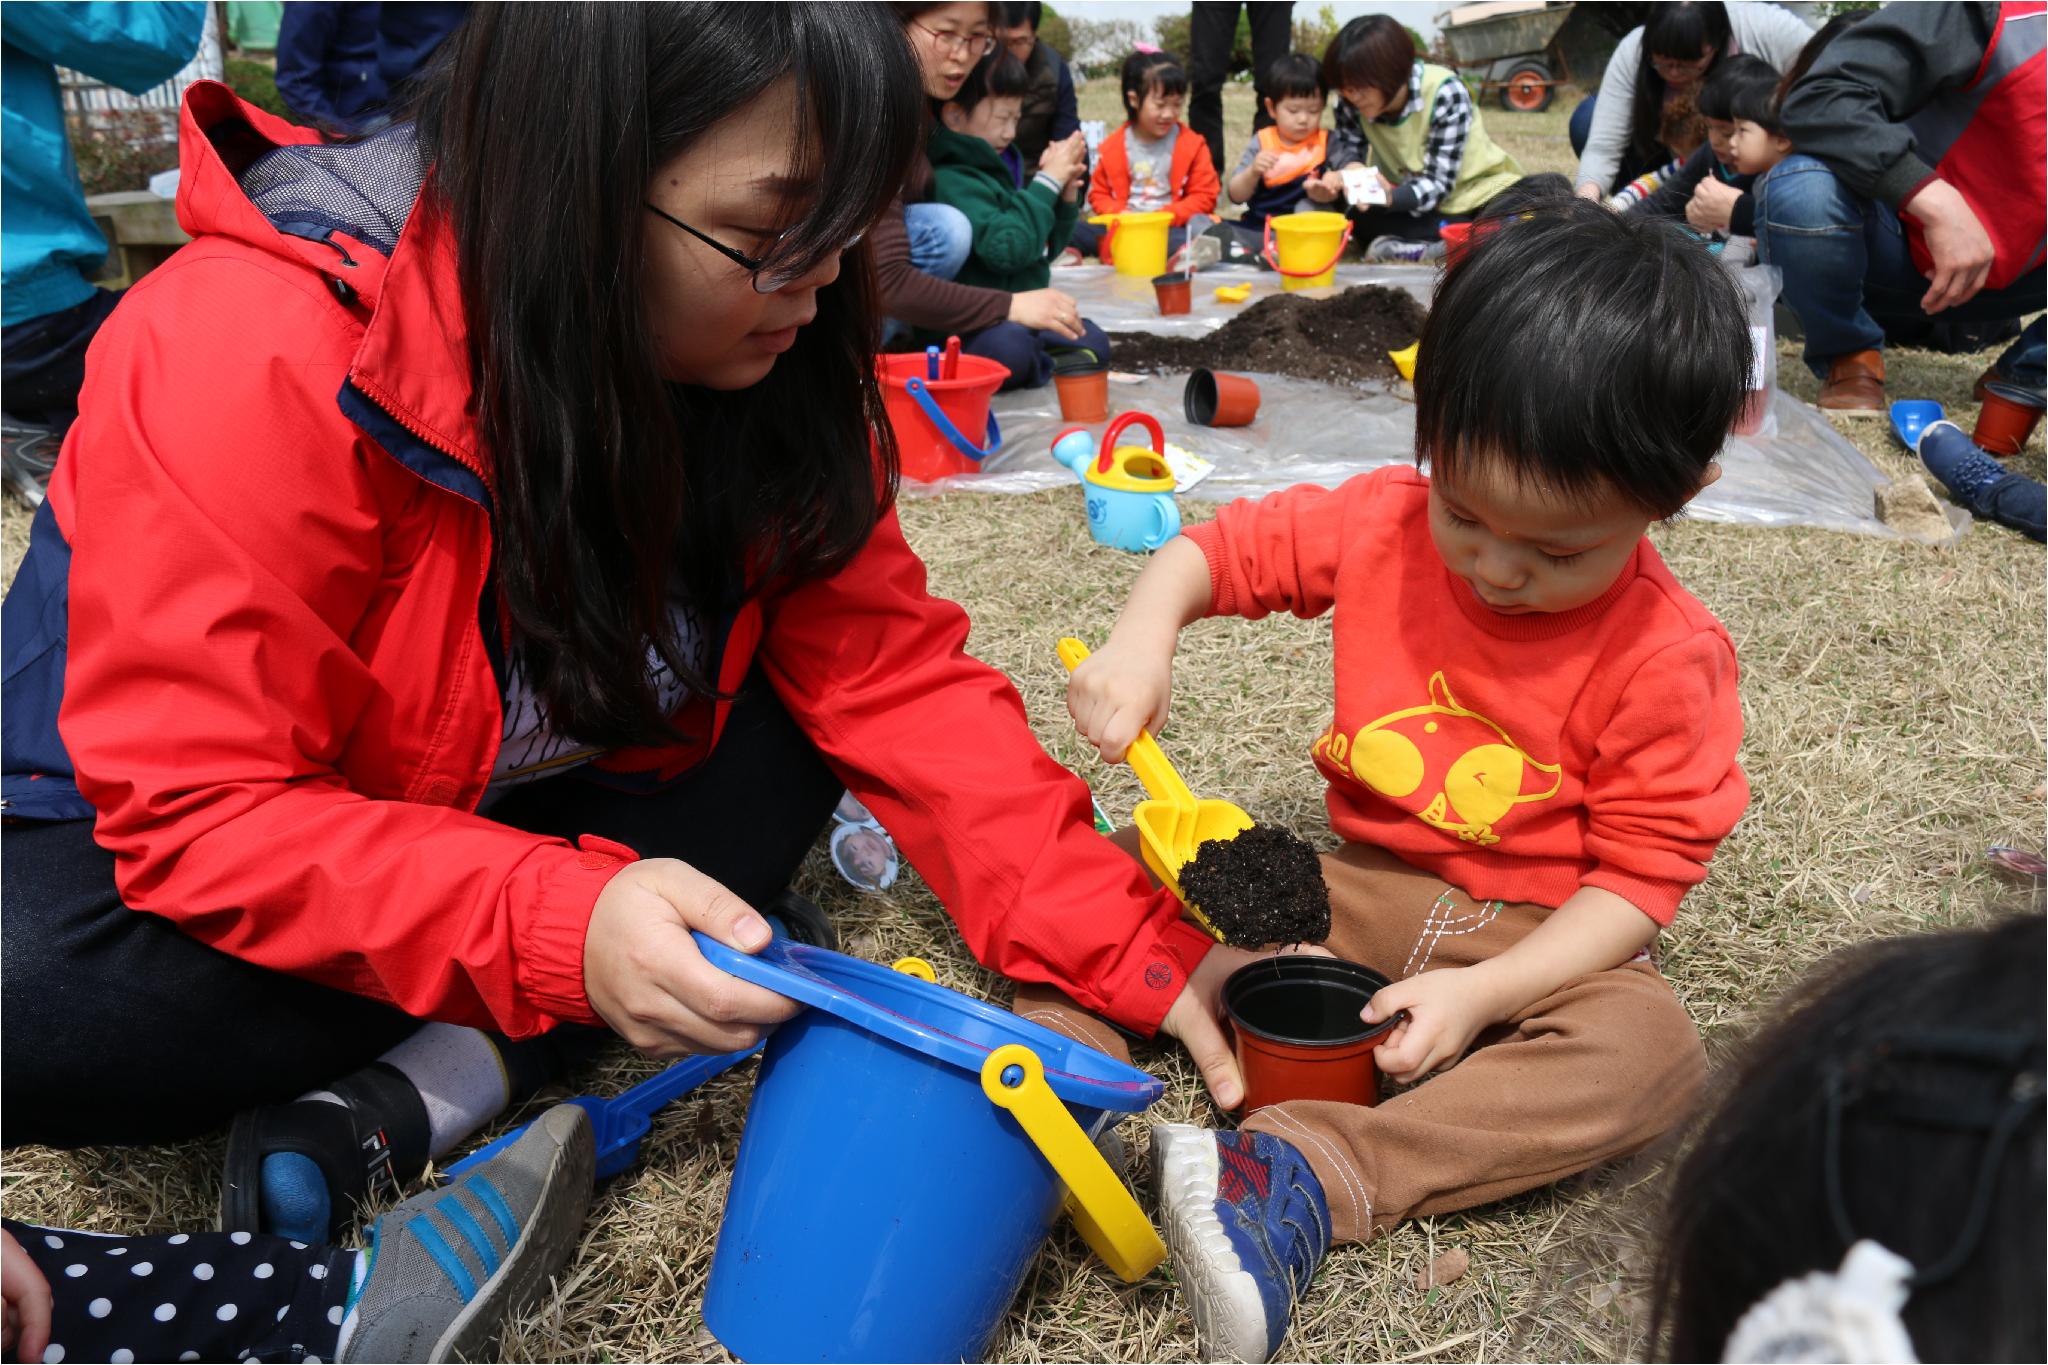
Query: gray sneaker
x=447 y=1268
x=1398 y=251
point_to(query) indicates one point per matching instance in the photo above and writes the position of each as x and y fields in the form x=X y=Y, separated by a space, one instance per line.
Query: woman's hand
x=645 y=977
x=1591 y=191
x=26 y=1333
x=1446 y=1009
x=1712 y=206
x=1047 y=310
x=1118 y=691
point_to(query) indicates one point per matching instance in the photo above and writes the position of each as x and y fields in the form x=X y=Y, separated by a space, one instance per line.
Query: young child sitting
x=1707 y=191
x=1017 y=231
x=1532 y=757
x=1153 y=162
x=1273 y=175
x=1759 y=140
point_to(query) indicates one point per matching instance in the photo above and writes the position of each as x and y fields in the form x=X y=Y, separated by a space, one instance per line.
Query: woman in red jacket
x=469 y=574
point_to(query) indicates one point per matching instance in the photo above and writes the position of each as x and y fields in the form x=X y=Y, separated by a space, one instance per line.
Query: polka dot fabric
x=192 y=1296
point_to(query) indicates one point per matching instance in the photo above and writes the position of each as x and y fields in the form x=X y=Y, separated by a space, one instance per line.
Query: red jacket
x=1191 y=174
x=279 y=702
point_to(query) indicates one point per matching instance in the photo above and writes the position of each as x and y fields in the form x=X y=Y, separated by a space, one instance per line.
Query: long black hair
x=1896 y=1096
x=618 y=492
x=1677 y=30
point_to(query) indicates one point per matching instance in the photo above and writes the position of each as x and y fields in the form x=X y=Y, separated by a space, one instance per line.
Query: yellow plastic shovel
x=1173 y=824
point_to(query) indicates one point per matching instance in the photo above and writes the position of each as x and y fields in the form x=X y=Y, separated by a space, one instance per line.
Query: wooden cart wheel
x=1528 y=88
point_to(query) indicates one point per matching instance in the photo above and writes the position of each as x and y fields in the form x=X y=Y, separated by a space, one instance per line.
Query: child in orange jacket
x=1154 y=162
x=1531 y=760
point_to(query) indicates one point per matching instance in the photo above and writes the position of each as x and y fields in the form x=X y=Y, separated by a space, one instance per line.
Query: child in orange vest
x=1532 y=756
x=1273 y=174
x=1154 y=162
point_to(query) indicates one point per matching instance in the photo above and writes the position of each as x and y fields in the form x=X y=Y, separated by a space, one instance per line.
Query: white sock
x=459 y=1075
x=355 y=1291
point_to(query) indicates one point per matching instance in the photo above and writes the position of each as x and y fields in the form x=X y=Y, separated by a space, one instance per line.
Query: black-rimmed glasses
x=958 y=44
x=753 y=265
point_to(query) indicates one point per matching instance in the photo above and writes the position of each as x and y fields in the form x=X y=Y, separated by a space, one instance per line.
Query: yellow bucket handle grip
x=1104 y=1212
x=1146 y=758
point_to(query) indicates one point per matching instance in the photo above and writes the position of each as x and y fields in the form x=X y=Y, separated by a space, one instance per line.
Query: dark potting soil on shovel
x=1264 y=886
x=1343 y=339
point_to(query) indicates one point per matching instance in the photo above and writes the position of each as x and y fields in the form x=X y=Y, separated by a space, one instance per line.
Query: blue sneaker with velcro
x=444 y=1270
x=1248 y=1225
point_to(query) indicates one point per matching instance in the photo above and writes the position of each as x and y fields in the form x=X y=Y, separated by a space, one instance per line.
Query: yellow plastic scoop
x=1173 y=824
x=1404 y=360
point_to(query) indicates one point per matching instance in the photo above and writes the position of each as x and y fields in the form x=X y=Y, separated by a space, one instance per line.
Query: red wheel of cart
x=1529 y=88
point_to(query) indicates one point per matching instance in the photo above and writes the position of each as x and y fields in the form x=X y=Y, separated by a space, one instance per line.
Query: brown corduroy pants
x=1596 y=1070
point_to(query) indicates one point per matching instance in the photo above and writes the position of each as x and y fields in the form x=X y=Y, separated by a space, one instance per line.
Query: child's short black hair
x=1895 y=1097
x=1583 y=350
x=1294 y=76
x=1756 y=102
x=1146 y=72
x=1739 y=72
x=998 y=75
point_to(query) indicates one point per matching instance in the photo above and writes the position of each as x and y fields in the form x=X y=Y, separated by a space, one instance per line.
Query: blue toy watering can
x=1129 y=488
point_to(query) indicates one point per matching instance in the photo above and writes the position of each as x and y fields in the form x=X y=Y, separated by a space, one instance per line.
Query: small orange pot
x=1215 y=399
x=1298 y=1035
x=2006 y=420
x=1084 y=394
x=1175 y=293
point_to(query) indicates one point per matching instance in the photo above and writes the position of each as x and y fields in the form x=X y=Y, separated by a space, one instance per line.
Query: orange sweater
x=1517 y=757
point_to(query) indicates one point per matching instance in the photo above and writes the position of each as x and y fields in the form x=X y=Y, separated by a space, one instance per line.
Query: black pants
x=1212 y=31
x=188 y=1296
x=115 y=1026
x=42 y=360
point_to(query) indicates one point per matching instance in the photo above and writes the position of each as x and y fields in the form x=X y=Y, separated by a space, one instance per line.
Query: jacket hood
x=351 y=212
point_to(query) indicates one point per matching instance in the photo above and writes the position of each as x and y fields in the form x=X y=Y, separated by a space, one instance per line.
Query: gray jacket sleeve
x=1851 y=108
x=1768 y=31
x=1607 y=139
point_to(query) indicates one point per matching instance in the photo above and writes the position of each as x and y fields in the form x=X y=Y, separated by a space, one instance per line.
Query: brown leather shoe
x=1855 y=383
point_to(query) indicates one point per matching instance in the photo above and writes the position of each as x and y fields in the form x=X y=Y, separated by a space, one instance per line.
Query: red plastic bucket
x=943 y=426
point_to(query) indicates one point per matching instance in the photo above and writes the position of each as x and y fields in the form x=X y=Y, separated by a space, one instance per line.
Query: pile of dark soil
x=1343 y=339
x=1264 y=886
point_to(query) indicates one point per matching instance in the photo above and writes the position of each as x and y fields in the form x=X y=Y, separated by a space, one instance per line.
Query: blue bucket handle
x=952 y=433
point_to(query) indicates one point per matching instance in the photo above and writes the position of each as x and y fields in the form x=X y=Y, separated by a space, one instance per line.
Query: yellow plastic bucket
x=1309 y=245
x=1137 y=241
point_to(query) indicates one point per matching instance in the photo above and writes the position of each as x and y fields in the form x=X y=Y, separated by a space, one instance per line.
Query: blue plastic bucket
x=882 y=1207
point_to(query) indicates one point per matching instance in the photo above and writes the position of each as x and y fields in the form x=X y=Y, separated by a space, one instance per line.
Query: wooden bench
x=141 y=229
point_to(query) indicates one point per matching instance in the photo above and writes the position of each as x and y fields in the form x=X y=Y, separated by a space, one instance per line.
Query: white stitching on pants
x=1354 y=1183
x=1056 y=1021
x=1448 y=926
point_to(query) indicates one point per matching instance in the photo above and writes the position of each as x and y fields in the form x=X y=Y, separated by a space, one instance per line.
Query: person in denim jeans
x=940 y=238
x=1866 y=229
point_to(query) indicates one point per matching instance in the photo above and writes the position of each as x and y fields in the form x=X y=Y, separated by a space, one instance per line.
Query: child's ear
x=1271 y=112
x=1709 y=476
x=953 y=116
x=1782 y=143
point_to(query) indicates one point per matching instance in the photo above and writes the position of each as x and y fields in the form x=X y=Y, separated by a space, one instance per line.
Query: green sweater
x=1016 y=232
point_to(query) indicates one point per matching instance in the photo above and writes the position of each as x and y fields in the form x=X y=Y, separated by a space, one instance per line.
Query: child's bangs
x=859 y=121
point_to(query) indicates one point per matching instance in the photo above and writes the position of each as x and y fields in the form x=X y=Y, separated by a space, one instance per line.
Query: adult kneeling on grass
x=1918 y=188
x=482 y=571
x=1435 y=162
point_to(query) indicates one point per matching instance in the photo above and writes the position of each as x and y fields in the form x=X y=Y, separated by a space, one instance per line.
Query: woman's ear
x=953 y=116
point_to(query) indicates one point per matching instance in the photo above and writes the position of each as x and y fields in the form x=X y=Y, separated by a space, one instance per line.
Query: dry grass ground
x=1894 y=696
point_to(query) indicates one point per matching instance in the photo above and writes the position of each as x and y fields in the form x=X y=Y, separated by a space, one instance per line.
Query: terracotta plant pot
x=2006 y=420
x=1175 y=293
x=1084 y=394
x=1215 y=399
x=1298 y=1035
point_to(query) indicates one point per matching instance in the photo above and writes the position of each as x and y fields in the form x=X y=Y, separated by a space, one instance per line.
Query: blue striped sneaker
x=1248 y=1225
x=445 y=1269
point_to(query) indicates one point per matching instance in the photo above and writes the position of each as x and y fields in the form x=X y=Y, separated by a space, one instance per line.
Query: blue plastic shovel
x=1911 y=416
x=620 y=1122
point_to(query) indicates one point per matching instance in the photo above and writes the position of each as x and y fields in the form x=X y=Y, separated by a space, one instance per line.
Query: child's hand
x=1118 y=691
x=1445 y=1009
x=1324 y=189
x=26 y=1334
x=1265 y=161
x=1063 y=160
x=1712 y=205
